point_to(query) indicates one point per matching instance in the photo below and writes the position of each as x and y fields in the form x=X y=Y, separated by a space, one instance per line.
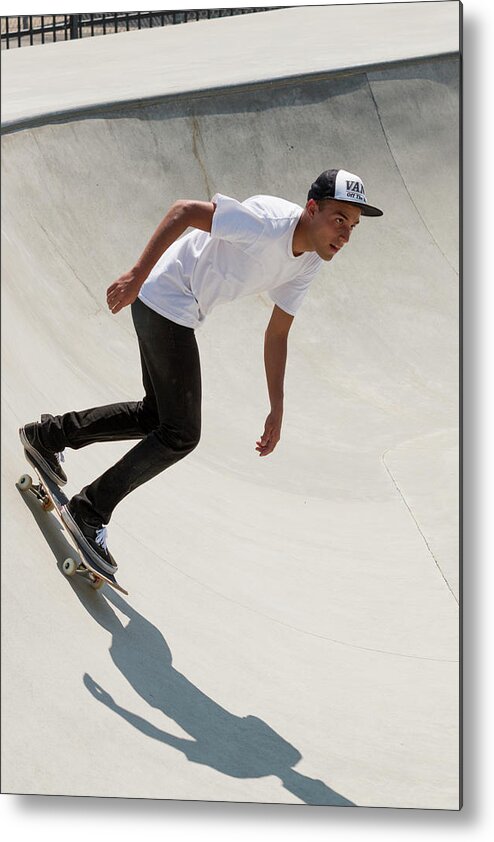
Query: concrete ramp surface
x=291 y=630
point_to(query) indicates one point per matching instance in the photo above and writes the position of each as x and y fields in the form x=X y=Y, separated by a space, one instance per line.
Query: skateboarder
x=234 y=249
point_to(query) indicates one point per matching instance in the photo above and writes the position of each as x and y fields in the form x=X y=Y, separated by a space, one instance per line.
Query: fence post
x=74 y=26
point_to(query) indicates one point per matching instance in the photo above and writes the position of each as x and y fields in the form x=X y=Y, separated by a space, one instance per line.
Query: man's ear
x=311 y=207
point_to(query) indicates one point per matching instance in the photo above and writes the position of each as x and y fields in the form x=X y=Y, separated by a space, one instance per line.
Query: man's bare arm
x=182 y=215
x=275 y=353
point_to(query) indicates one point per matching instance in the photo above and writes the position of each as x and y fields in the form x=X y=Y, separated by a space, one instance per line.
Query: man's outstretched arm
x=275 y=351
x=182 y=215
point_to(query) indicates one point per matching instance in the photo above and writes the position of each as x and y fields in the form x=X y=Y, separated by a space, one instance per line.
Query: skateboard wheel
x=24 y=483
x=69 y=567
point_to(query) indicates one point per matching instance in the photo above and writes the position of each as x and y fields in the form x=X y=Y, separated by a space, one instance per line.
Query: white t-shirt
x=248 y=251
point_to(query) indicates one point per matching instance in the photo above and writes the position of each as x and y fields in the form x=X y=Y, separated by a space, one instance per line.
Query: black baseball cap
x=344 y=187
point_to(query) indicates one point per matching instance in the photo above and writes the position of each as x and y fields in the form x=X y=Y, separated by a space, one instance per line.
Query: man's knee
x=182 y=442
x=188 y=441
x=193 y=439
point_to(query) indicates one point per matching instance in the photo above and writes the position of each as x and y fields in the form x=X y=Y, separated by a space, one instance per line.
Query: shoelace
x=60 y=457
x=102 y=537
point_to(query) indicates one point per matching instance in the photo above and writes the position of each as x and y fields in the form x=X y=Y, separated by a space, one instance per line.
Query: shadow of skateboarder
x=242 y=747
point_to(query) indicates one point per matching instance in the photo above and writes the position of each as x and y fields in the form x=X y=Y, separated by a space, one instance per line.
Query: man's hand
x=271 y=435
x=122 y=292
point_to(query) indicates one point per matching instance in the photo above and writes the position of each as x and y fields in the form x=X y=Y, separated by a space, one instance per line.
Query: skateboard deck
x=52 y=498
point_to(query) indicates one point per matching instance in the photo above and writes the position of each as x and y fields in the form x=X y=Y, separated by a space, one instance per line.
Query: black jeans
x=167 y=420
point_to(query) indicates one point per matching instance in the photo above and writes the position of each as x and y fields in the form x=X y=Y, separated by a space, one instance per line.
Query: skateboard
x=52 y=499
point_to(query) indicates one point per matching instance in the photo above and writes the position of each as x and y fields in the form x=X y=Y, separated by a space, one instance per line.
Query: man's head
x=344 y=187
x=335 y=202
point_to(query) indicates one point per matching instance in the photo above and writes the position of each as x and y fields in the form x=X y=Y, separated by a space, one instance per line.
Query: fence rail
x=28 y=30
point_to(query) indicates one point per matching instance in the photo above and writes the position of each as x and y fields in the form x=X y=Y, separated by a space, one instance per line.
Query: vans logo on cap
x=355 y=190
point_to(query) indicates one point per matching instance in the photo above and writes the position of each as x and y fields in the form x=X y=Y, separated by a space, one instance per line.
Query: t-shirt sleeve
x=289 y=296
x=234 y=222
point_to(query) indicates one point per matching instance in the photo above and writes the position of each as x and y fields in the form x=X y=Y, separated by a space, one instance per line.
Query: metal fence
x=27 y=30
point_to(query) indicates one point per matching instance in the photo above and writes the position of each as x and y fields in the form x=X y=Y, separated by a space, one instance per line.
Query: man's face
x=331 y=224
